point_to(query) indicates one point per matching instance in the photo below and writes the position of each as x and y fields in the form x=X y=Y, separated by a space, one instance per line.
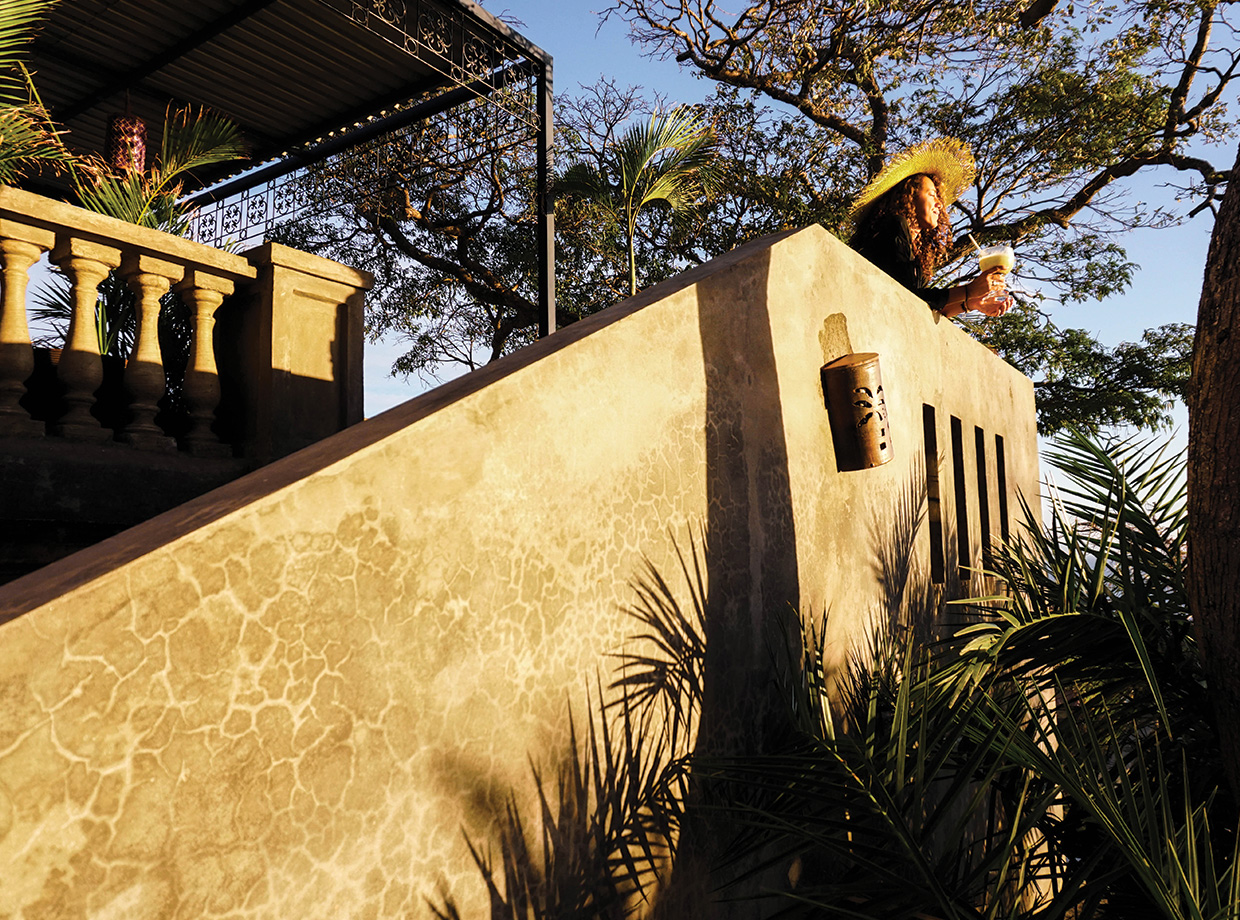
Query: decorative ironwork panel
x=373 y=178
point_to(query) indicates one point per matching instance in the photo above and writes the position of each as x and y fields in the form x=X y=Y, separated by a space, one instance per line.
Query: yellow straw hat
x=947 y=160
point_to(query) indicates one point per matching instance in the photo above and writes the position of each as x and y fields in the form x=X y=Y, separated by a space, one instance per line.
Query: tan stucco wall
x=288 y=697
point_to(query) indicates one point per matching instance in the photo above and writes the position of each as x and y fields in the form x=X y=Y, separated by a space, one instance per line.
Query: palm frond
x=665 y=159
x=26 y=141
x=192 y=138
x=1098 y=595
x=899 y=814
x=1054 y=761
x=19 y=20
x=1152 y=818
x=669 y=159
x=28 y=138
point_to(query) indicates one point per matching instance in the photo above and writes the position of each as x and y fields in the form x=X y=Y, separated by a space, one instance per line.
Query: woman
x=901 y=225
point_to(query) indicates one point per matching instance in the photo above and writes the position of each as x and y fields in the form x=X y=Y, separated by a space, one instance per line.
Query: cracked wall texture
x=291 y=696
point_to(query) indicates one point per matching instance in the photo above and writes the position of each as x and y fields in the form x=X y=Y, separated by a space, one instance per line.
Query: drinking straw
x=974 y=242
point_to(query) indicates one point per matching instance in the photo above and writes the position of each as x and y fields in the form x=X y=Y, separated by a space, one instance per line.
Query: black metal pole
x=546 y=205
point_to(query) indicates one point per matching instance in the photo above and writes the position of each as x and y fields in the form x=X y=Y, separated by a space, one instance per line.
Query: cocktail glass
x=996 y=257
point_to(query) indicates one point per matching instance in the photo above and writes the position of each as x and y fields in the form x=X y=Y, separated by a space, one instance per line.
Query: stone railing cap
x=307 y=263
x=60 y=217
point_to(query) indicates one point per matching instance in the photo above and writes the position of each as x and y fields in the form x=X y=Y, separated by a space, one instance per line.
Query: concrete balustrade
x=81 y=367
x=86 y=247
x=204 y=292
x=21 y=245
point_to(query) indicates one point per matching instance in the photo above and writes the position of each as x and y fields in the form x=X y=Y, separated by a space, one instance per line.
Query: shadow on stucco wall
x=751 y=558
x=894 y=542
x=750 y=563
x=609 y=802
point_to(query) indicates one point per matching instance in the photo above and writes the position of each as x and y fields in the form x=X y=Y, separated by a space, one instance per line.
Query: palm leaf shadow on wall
x=610 y=818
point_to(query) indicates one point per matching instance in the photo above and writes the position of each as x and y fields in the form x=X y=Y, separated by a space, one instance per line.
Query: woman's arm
x=987 y=294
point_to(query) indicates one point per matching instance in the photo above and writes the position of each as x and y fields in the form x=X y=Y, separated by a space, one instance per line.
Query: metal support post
x=546 y=205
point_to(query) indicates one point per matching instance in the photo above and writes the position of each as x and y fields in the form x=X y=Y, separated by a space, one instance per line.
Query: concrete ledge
x=309 y=264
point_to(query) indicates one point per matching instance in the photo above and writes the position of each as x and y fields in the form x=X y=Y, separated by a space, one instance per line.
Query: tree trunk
x=1214 y=476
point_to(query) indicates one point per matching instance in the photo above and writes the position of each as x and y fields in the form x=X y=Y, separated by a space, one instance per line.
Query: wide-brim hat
x=947 y=160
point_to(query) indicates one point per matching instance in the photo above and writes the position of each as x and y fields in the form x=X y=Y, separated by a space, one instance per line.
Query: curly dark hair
x=930 y=249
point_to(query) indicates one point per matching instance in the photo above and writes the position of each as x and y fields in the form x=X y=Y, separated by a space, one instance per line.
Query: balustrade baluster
x=204 y=292
x=20 y=247
x=81 y=369
x=150 y=279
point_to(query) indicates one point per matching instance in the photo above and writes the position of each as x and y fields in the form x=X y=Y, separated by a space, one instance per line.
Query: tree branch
x=480 y=282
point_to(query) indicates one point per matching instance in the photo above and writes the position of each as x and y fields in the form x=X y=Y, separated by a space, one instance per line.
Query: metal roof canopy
x=303 y=79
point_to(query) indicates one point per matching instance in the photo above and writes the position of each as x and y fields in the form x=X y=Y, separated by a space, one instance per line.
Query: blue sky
x=1172 y=261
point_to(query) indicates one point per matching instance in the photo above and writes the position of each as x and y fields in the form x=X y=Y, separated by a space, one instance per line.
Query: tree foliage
x=448 y=228
x=442 y=213
x=1083 y=384
x=1057 y=106
x=1060 y=103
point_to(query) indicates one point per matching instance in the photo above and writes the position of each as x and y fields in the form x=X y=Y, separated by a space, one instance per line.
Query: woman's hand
x=988 y=294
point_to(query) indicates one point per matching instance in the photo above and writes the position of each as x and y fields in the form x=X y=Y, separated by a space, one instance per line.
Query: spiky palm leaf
x=1073 y=724
x=28 y=139
x=115 y=316
x=669 y=159
x=1149 y=823
x=1100 y=593
x=19 y=20
x=903 y=809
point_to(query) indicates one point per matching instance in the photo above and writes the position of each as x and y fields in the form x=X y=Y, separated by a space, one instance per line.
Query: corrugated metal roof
x=287 y=71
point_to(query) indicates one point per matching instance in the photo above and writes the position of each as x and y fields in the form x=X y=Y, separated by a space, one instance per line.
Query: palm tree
x=151 y=197
x=192 y=138
x=668 y=160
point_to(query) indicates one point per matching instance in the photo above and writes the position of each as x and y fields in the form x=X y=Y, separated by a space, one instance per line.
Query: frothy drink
x=997 y=257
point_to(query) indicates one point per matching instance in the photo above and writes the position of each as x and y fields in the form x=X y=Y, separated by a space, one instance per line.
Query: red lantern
x=126 y=143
